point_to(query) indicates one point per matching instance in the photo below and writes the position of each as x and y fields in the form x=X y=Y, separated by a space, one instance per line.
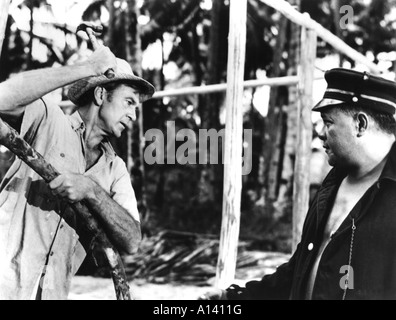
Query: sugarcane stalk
x=12 y=140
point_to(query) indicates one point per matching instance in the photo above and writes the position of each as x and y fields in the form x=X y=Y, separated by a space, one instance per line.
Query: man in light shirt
x=41 y=242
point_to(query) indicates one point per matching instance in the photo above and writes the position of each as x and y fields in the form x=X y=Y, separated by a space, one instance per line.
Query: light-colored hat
x=123 y=73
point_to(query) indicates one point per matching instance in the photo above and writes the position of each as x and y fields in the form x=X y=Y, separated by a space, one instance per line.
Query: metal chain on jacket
x=350 y=258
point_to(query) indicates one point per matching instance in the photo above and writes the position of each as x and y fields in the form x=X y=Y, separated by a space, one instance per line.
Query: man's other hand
x=72 y=187
x=215 y=294
x=102 y=60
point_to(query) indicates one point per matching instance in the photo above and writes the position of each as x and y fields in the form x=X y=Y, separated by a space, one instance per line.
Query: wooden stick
x=11 y=139
x=304 y=137
x=226 y=265
x=4 y=6
x=304 y=20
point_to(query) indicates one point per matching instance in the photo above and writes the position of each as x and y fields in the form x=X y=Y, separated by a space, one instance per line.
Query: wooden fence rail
x=222 y=87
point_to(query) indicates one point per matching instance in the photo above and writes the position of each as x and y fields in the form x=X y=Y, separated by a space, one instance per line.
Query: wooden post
x=4 y=6
x=233 y=145
x=304 y=139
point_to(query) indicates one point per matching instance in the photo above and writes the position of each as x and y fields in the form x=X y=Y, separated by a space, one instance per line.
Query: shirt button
x=311 y=246
x=61 y=226
x=62 y=155
x=51 y=254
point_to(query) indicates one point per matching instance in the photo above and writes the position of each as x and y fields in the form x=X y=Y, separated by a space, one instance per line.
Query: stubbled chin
x=331 y=162
x=330 y=158
x=117 y=133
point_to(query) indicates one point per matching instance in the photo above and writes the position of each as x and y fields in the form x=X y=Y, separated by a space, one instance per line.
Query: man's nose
x=132 y=115
x=322 y=134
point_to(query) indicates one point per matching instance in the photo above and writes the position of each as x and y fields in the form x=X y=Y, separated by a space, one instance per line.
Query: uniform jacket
x=373 y=250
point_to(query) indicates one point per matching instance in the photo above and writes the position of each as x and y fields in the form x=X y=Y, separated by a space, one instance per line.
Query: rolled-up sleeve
x=122 y=191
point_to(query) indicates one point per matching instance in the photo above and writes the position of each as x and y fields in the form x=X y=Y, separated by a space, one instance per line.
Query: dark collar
x=326 y=195
x=389 y=171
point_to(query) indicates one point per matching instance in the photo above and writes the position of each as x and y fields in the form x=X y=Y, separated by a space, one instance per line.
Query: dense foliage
x=184 y=43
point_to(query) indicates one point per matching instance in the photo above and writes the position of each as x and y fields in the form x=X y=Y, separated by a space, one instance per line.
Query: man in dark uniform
x=347 y=250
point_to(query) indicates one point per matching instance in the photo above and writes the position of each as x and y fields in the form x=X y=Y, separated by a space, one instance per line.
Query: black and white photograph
x=215 y=151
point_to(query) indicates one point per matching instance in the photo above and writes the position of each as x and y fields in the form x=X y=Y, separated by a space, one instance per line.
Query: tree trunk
x=159 y=83
x=4 y=5
x=210 y=184
x=31 y=36
x=135 y=137
x=274 y=129
x=275 y=120
x=110 y=32
x=286 y=191
x=4 y=38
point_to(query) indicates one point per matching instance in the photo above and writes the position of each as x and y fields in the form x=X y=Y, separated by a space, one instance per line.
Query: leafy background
x=182 y=43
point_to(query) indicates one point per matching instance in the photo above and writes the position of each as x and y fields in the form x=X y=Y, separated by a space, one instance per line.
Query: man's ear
x=98 y=96
x=362 y=122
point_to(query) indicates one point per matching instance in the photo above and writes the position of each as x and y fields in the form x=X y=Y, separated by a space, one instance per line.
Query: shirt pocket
x=63 y=160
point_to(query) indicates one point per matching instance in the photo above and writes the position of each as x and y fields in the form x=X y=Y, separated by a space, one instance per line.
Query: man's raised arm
x=29 y=86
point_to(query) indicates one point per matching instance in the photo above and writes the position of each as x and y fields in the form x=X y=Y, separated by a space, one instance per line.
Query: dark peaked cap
x=348 y=87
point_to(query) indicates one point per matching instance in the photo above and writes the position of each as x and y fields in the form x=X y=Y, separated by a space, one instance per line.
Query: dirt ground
x=89 y=288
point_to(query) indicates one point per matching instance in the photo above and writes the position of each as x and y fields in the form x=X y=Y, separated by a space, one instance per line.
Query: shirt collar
x=77 y=122
x=78 y=125
x=108 y=150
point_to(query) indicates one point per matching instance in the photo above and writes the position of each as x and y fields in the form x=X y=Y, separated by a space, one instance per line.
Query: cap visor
x=325 y=103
